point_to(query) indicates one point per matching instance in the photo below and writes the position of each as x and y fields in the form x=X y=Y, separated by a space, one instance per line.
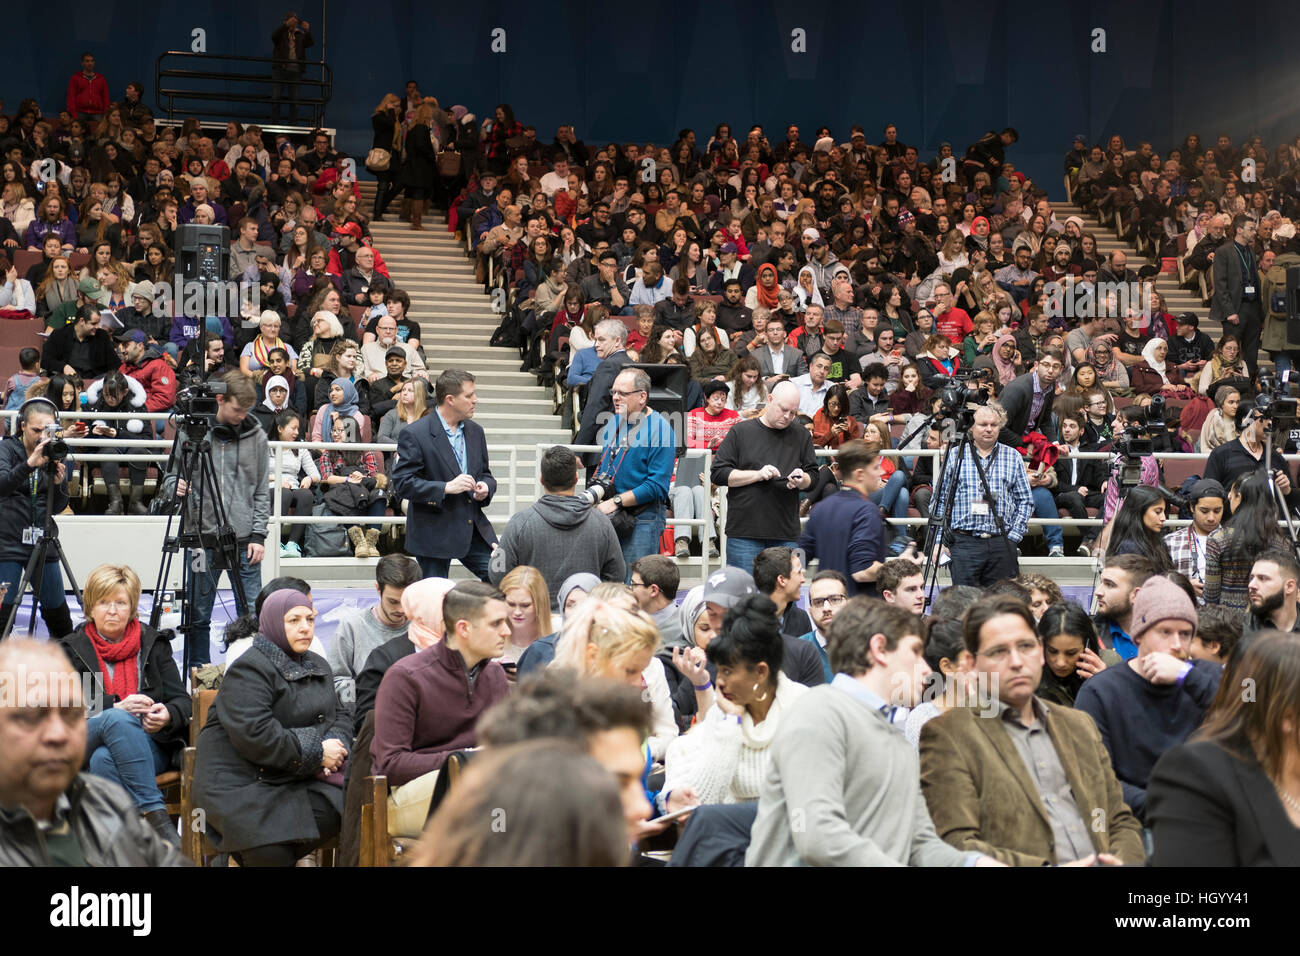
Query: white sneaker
x=1057 y=552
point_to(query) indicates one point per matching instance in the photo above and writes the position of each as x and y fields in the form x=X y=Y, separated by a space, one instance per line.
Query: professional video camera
x=961 y=390
x=57 y=448
x=198 y=403
x=1275 y=403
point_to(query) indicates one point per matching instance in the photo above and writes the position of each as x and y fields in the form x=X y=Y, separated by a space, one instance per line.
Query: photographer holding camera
x=240 y=458
x=27 y=463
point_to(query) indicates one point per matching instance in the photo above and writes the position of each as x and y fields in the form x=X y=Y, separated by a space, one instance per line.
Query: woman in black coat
x=384 y=123
x=420 y=172
x=269 y=773
x=140 y=712
x=1231 y=796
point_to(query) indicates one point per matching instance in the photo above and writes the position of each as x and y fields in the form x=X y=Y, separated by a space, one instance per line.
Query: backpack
x=510 y=333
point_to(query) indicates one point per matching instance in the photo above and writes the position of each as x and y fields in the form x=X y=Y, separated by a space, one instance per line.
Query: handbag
x=448 y=163
x=378 y=160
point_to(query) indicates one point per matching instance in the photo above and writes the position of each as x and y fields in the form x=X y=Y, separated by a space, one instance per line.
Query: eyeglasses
x=831 y=600
x=1024 y=648
x=619 y=393
x=637 y=584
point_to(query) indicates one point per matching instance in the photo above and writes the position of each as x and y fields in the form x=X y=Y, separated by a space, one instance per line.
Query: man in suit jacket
x=610 y=338
x=442 y=470
x=1023 y=392
x=1028 y=783
x=1079 y=481
x=1236 y=301
x=793 y=361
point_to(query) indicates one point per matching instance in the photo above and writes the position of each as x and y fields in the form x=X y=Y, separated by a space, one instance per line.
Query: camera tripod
x=1279 y=499
x=945 y=496
x=34 y=573
x=193 y=460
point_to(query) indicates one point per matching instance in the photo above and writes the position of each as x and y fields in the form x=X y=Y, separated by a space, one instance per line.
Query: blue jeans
x=741 y=552
x=1045 y=507
x=480 y=552
x=892 y=496
x=204 y=585
x=645 y=536
x=119 y=749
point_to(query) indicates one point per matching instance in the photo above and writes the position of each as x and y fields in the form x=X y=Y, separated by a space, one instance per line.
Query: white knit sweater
x=722 y=760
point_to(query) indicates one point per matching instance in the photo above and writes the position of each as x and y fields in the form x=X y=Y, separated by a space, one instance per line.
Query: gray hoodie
x=240 y=459
x=559 y=535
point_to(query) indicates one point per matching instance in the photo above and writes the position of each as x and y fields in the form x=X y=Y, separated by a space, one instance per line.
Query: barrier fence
x=513 y=487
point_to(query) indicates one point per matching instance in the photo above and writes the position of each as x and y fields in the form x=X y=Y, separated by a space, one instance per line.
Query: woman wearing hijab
x=1002 y=360
x=270 y=762
x=343 y=403
x=805 y=290
x=1111 y=373
x=140 y=714
x=766 y=291
x=1153 y=376
x=686 y=666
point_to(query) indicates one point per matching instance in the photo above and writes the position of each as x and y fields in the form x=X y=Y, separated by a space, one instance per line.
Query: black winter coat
x=20 y=506
x=261 y=749
x=158 y=679
x=419 y=171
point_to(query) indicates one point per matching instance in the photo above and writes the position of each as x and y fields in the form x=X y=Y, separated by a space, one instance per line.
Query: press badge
x=1248 y=290
x=33 y=535
x=980 y=509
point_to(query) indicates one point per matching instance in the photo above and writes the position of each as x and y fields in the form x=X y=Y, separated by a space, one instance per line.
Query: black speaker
x=203 y=252
x=668 y=385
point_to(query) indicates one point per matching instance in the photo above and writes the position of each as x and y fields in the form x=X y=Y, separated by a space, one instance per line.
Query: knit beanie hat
x=1160 y=600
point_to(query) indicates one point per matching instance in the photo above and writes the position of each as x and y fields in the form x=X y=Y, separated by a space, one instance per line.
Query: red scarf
x=125 y=679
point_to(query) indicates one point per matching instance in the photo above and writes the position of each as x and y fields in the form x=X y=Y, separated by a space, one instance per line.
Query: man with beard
x=827 y=595
x=1123 y=575
x=1272 y=593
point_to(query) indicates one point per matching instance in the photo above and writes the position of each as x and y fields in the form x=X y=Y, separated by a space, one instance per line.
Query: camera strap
x=620 y=451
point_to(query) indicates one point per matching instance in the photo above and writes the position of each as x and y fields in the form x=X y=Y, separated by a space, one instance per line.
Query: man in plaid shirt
x=1187 y=545
x=980 y=555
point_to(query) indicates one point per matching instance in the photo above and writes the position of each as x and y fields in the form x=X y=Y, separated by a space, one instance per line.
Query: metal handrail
x=171 y=99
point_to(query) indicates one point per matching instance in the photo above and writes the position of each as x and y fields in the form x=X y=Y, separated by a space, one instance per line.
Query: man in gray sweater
x=366 y=628
x=842 y=784
x=561 y=534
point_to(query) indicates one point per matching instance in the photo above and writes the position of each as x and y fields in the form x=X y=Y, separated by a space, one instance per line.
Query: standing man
x=442 y=470
x=610 y=339
x=636 y=466
x=1187 y=545
x=1236 y=301
x=242 y=463
x=289 y=45
x=845 y=532
x=364 y=629
x=87 y=92
x=980 y=554
x=1027 y=399
x=764 y=464
x=1272 y=593
x=827 y=595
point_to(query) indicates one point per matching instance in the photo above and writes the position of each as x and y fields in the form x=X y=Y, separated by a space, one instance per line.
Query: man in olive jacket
x=1028 y=783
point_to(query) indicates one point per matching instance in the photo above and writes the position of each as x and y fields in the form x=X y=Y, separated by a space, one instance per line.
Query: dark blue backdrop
x=1171 y=66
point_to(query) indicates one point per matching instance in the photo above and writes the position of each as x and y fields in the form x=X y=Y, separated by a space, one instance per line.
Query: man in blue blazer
x=442 y=471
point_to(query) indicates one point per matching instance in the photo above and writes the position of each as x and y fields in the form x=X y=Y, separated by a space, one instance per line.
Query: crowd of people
x=819 y=297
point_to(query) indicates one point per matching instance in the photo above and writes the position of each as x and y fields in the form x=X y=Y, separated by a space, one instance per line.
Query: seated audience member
x=140 y=716
x=1079 y=481
x=1188 y=545
x=530 y=612
x=827 y=595
x=1250 y=529
x=271 y=756
x=379 y=355
x=606 y=718
x=1231 y=795
x=724 y=757
x=560 y=531
x=430 y=702
x=52 y=813
x=573 y=591
x=1218 y=632
x=1274 y=580
x=28 y=374
x=1137 y=526
x=654 y=583
x=779 y=573
x=1023 y=786
x=1156 y=700
x=563 y=806
x=841 y=787
x=951 y=681
x=116 y=392
x=353 y=487
x=1117 y=587
x=727 y=586
x=81 y=347
x=606 y=635
x=1071 y=653
x=363 y=630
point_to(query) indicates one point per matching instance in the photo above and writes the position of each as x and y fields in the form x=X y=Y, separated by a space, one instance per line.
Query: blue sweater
x=845 y=533
x=646 y=469
x=1140 y=720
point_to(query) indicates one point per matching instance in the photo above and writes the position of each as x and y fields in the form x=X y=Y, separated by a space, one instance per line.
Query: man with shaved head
x=764 y=463
x=52 y=814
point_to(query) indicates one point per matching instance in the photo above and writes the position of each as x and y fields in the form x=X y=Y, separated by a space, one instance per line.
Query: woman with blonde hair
x=419 y=172
x=529 y=602
x=608 y=636
x=412 y=405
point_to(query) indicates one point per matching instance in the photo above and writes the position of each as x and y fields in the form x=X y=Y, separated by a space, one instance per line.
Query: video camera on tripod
x=959 y=391
x=1140 y=440
x=198 y=403
x=1275 y=403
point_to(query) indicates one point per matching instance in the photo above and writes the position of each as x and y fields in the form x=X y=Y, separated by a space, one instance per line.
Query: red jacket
x=87 y=95
x=158 y=379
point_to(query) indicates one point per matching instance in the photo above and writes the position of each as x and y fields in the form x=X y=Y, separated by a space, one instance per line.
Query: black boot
x=58 y=620
x=137 y=505
x=381 y=201
x=163 y=826
x=114 y=499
